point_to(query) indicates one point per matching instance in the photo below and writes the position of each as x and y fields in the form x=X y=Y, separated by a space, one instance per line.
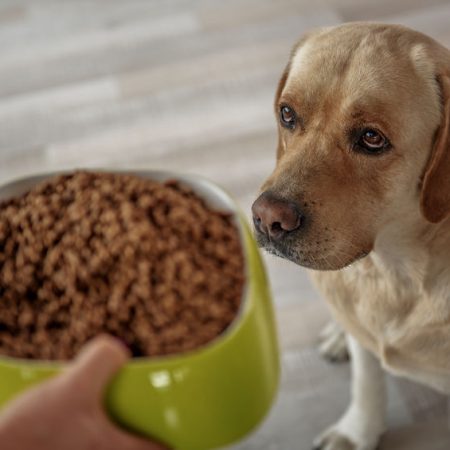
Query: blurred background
x=188 y=85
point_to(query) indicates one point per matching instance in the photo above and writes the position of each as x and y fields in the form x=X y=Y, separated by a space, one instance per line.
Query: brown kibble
x=88 y=253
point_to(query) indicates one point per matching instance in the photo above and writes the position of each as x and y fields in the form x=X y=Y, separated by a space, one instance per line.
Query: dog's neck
x=406 y=252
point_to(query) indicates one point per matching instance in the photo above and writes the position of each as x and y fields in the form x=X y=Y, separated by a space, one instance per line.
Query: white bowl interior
x=213 y=195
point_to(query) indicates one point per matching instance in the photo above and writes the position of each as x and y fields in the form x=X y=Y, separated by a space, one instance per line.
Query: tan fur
x=396 y=300
x=435 y=198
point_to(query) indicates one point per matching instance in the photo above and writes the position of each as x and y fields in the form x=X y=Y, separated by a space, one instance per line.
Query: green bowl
x=203 y=399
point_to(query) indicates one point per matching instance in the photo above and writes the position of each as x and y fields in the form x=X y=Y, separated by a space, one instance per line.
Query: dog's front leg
x=333 y=343
x=363 y=423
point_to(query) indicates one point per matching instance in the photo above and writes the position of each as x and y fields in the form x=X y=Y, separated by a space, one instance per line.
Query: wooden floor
x=188 y=86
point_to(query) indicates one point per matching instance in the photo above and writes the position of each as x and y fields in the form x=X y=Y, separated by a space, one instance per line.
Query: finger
x=126 y=441
x=95 y=365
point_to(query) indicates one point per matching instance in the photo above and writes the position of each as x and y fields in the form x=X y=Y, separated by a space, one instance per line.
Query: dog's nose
x=275 y=217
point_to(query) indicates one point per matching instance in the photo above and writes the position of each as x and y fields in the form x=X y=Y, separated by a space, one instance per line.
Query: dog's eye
x=372 y=141
x=288 y=118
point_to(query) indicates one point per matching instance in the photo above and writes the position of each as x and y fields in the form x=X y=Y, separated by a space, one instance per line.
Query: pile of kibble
x=87 y=253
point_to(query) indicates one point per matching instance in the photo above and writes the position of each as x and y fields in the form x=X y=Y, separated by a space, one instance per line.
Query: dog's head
x=363 y=116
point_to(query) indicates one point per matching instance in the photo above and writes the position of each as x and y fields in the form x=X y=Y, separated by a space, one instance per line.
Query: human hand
x=66 y=412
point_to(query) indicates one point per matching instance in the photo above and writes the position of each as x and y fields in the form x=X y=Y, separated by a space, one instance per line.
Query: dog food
x=87 y=253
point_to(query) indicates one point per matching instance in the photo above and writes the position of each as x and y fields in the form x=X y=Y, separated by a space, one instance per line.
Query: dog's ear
x=435 y=195
x=287 y=69
x=281 y=85
x=280 y=88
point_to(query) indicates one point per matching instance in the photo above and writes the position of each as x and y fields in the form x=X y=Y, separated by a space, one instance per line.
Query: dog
x=360 y=195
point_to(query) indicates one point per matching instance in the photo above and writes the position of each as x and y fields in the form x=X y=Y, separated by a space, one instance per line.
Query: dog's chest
x=374 y=305
x=394 y=319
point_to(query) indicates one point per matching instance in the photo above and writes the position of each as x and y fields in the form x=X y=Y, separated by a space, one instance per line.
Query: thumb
x=95 y=365
x=123 y=440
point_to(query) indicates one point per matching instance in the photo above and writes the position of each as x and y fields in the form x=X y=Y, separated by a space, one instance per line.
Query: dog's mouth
x=305 y=255
x=285 y=249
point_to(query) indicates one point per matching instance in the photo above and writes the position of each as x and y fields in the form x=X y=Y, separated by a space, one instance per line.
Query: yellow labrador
x=361 y=195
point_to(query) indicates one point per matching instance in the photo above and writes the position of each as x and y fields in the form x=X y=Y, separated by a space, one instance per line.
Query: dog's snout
x=275 y=217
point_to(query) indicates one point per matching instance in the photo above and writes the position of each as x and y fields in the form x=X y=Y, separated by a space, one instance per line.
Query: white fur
x=364 y=421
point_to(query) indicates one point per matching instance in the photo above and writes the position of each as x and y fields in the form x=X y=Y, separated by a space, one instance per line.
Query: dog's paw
x=334 y=439
x=354 y=431
x=333 y=343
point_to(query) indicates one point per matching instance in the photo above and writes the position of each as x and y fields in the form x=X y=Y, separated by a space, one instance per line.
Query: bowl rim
x=212 y=194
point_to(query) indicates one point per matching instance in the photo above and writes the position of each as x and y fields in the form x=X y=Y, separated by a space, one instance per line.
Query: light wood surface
x=188 y=85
